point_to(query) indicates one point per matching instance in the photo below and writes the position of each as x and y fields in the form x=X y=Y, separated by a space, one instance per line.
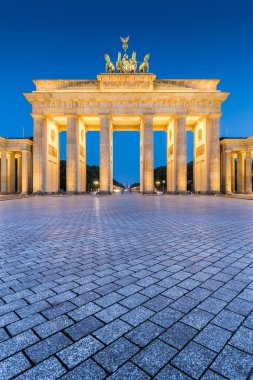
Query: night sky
x=67 y=39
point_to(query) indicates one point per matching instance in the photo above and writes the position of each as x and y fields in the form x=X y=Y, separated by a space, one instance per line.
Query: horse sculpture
x=119 y=63
x=109 y=67
x=144 y=66
x=133 y=63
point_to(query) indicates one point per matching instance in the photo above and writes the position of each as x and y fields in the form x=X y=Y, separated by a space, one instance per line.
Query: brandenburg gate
x=122 y=101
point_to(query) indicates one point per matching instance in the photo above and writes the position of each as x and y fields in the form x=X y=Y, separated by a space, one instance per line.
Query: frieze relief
x=52 y=151
x=200 y=150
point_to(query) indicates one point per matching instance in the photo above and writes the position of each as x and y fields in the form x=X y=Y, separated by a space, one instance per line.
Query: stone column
x=248 y=172
x=38 y=153
x=180 y=154
x=25 y=172
x=3 y=171
x=19 y=175
x=147 y=137
x=105 y=174
x=227 y=157
x=72 y=121
x=12 y=174
x=240 y=173
x=213 y=123
x=233 y=173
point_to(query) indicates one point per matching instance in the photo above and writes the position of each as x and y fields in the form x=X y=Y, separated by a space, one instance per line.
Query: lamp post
x=163 y=182
x=96 y=183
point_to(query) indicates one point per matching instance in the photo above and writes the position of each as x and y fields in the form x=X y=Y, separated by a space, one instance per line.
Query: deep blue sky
x=68 y=38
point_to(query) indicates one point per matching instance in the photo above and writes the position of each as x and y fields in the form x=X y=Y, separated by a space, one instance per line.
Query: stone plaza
x=126 y=287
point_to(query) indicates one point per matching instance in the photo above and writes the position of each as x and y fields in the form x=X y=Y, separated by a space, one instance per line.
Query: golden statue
x=125 y=41
x=144 y=66
x=126 y=65
x=109 y=67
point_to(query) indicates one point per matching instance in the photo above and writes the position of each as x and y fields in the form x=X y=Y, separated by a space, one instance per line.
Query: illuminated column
x=72 y=154
x=81 y=157
x=25 y=171
x=106 y=170
x=147 y=158
x=213 y=125
x=233 y=172
x=12 y=175
x=3 y=171
x=227 y=158
x=248 y=172
x=240 y=173
x=19 y=174
x=180 y=153
x=38 y=153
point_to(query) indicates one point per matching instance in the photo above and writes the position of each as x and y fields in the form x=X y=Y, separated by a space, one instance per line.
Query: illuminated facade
x=126 y=102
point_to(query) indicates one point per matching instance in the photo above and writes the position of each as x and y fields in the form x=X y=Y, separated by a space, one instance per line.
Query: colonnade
x=46 y=155
x=237 y=167
x=15 y=168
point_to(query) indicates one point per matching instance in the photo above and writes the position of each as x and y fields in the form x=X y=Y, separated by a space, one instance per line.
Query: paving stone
x=171 y=373
x=198 y=318
x=25 y=324
x=32 y=309
x=160 y=353
x=18 y=343
x=158 y=303
x=240 y=306
x=13 y=366
x=137 y=316
x=243 y=339
x=129 y=371
x=249 y=321
x=212 y=305
x=47 y=347
x=172 y=284
x=84 y=311
x=48 y=328
x=228 y=319
x=85 y=298
x=8 y=318
x=233 y=363
x=116 y=354
x=88 y=370
x=210 y=375
x=133 y=301
x=84 y=327
x=178 y=335
x=112 y=312
x=79 y=351
x=166 y=317
x=112 y=331
x=50 y=369
x=184 y=304
x=109 y=299
x=194 y=359
x=213 y=337
x=58 y=310
x=144 y=333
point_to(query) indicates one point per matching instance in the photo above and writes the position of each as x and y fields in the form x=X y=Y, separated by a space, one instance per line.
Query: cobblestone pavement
x=126 y=287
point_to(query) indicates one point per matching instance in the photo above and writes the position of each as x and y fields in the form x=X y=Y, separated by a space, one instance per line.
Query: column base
x=148 y=193
x=104 y=192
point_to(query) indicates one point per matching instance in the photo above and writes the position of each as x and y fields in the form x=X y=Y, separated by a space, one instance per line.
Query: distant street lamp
x=96 y=183
x=163 y=182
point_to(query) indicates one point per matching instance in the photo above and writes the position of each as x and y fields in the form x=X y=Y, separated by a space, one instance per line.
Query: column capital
x=71 y=116
x=214 y=115
x=38 y=116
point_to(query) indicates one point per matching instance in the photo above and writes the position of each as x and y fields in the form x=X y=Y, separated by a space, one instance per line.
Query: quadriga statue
x=144 y=66
x=109 y=67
